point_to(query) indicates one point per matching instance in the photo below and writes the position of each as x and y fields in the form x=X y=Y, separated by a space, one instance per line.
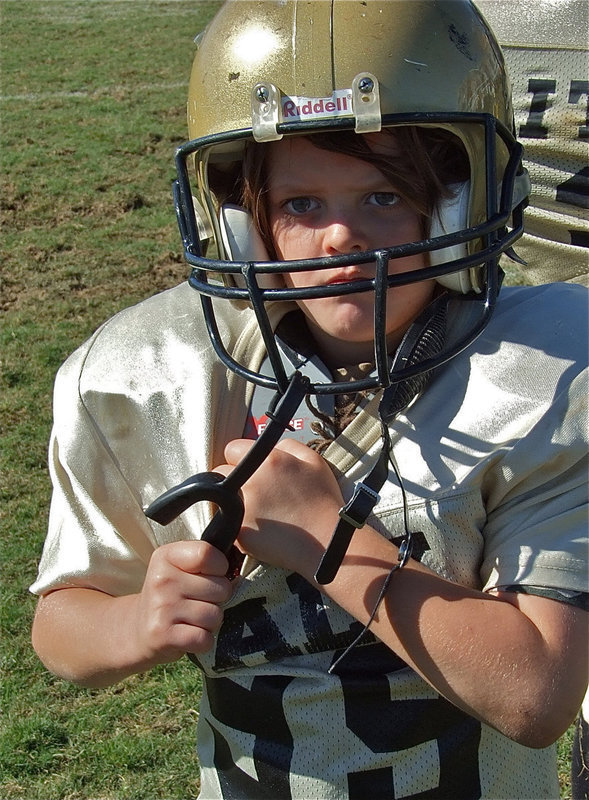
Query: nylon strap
x=426 y=333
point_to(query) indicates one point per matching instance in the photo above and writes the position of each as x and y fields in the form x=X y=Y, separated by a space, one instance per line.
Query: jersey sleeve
x=536 y=530
x=138 y=409
x=92 y=502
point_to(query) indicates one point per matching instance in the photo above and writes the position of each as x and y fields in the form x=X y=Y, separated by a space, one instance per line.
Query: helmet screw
x=262 y=94
x=366 y=85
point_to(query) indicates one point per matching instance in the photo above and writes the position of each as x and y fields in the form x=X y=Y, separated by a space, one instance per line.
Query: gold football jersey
x=546 y=47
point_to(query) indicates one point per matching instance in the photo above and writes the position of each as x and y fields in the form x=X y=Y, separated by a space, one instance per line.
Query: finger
x=224 y=469
x=194 y=557
x=237 y=449
x=295 y=448
x=194 y=640
x=303 y=452
x=198 y=614
x=208 y=589
x=187 y=638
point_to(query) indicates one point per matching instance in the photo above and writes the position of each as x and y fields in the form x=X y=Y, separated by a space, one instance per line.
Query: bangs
x=425 y=162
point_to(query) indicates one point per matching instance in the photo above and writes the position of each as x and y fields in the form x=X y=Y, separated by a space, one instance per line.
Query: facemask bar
x=496 y=239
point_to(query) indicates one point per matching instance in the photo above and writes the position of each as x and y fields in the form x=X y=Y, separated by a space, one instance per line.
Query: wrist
x=87 y=636
x=365 y=566
x=314 y=545
x=126 y=654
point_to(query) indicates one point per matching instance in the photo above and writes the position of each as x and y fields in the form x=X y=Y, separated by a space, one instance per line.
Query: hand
x=178 y=609
x=291 y=505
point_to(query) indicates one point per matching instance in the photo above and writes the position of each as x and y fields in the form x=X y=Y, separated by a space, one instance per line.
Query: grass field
x=92 y=106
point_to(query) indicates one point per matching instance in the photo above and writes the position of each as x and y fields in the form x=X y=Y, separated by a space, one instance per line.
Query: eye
x=384 y=199
x=300 y=205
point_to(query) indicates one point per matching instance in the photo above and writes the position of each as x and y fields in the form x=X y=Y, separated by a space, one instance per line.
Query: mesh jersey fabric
x=493 y=459
x=546 y=48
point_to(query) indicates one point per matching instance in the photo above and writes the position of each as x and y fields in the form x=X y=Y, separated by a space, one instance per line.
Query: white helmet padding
x=240 y=237
x=242 y=242
x=450 y=216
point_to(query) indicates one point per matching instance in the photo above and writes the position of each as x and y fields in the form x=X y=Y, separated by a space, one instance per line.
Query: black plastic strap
x=354 y=514
x=424 y=338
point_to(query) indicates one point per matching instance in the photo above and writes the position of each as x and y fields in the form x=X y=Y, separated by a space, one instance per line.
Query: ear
x=242 y=241
x=450 y=216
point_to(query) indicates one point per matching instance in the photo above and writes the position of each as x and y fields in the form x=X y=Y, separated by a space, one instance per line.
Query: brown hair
x=426 y=162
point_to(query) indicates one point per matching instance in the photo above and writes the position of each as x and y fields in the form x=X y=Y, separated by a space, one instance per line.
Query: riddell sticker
x=338 y=105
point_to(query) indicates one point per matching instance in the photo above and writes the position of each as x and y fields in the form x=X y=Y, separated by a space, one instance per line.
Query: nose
x=343 y=235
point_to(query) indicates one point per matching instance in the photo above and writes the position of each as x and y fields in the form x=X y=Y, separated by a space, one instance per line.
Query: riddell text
x=321 y=106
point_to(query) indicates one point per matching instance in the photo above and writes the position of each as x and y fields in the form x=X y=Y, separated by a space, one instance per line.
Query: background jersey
x=545 y=43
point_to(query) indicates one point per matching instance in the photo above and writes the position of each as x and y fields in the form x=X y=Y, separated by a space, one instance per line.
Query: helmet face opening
x=468 y=230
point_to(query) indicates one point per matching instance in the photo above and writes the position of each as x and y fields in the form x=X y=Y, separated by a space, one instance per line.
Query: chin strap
x=424 y=338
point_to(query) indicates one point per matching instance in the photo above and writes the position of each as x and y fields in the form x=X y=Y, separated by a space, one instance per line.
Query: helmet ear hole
x=242 y=241
x=240 y=237
x=451 y=215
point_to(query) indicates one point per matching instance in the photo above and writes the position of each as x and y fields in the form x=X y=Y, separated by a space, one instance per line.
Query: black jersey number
x=386 y=725
x=381 y=724
x=241 y=709
x=575 y=192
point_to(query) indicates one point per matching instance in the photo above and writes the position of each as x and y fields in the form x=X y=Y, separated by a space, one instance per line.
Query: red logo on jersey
x=255 y=426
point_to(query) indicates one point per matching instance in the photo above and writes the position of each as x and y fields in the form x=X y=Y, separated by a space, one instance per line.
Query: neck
x=337 y=353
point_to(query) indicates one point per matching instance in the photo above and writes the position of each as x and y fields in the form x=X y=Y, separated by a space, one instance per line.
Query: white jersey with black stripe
x=546 y=48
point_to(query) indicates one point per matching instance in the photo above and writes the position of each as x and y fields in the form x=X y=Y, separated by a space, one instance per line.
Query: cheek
x=412 y=297
x=406 y=228
x=293 y=241
x=300 y=280
x=409 y=264
x=411 y=231
x=284 y=238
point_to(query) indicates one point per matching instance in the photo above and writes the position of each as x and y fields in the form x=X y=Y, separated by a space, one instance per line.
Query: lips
x=348 y=277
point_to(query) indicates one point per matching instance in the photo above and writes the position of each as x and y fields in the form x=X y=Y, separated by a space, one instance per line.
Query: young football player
x=391 y=600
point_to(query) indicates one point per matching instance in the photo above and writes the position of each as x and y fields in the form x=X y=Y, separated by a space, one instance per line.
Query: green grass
x=92 y=106
x=93 y=98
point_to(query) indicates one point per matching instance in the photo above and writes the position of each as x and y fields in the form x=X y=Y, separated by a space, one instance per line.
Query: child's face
x=323 y=203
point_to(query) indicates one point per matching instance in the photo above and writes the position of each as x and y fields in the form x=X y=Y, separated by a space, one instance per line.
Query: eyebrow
x=297 y=186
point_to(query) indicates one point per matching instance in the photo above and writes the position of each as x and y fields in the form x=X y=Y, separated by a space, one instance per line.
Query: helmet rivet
x=366 y=85
x=262 y=94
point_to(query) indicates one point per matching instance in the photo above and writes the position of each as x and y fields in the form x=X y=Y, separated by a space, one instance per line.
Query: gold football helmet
x=267 y=69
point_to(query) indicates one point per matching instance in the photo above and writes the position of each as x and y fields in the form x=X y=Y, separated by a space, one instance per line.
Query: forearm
x=479 y=651
x=87 y=637
x=502 y=659
x=94 y=639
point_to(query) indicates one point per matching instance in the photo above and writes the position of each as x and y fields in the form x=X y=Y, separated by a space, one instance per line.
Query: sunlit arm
x=517 y=662
x=94 y=639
